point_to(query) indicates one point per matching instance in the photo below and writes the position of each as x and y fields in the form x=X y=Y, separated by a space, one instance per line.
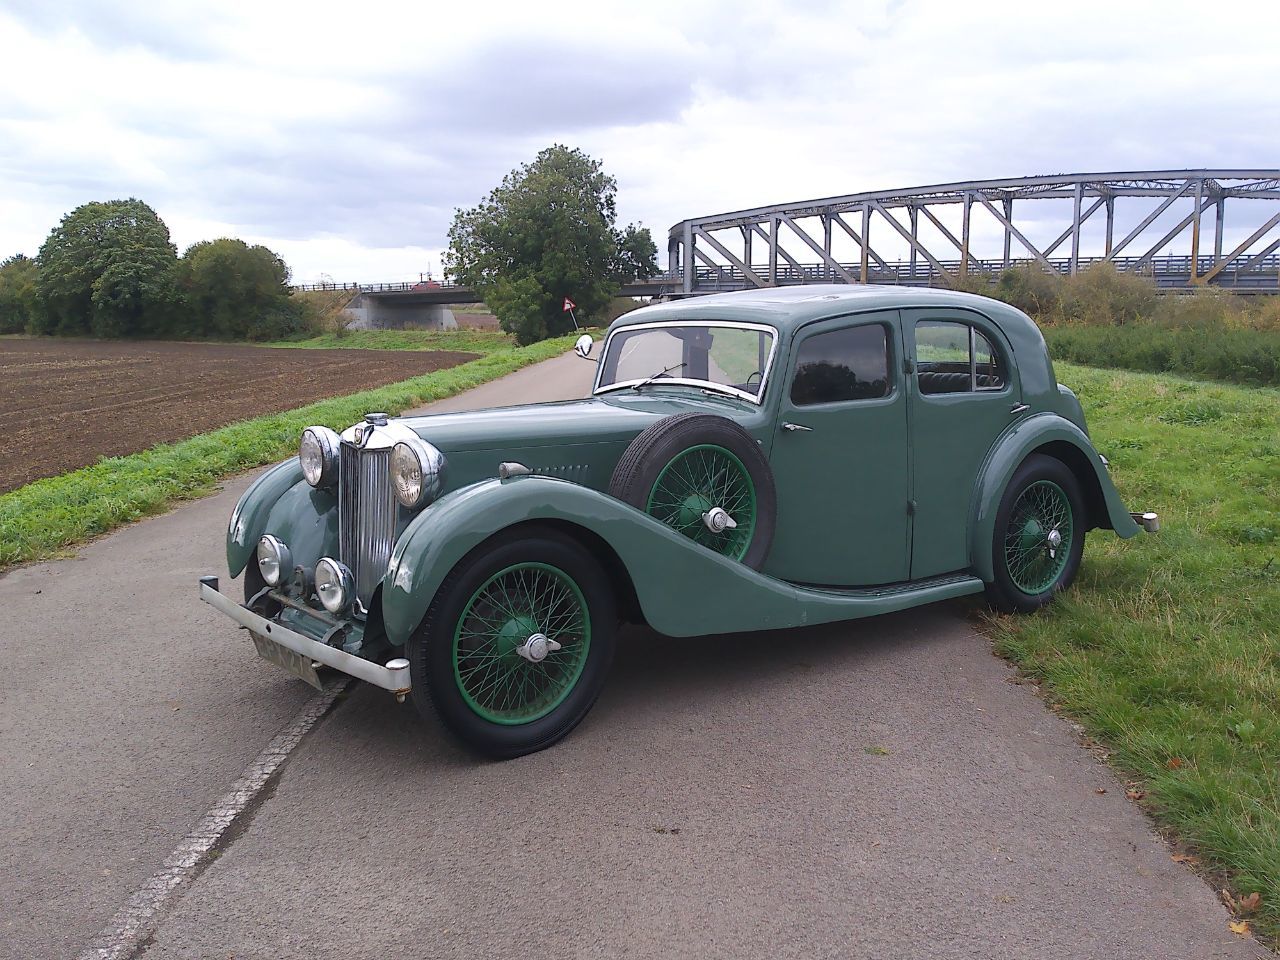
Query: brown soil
x=66 y=403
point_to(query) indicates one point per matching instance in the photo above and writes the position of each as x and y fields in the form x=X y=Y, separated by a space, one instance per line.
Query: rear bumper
x=394 y=676
x=1148 y=521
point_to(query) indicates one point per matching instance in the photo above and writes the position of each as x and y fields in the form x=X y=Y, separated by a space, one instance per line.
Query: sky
x=344 y=135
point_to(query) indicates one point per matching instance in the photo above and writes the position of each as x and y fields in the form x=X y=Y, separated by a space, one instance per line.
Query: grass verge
x=42 y=519
x=1168 y=648
x=465 y=341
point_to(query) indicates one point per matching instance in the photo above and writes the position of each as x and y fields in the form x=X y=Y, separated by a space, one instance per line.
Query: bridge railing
x=1174 y=271
x=407 y=286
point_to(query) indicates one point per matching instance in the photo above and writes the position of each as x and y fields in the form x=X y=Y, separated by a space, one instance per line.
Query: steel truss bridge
x=1150 y=222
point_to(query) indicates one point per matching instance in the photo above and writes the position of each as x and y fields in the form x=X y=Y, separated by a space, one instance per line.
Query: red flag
x=568 y=305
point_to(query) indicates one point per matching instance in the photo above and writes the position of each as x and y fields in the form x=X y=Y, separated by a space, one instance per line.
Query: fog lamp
x=274 y=561
x=334 y=585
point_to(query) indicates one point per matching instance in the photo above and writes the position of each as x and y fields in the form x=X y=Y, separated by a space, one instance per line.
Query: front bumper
x=394 y=676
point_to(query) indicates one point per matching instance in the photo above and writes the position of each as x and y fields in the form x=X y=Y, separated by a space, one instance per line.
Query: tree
x=18 y=301
x=546 y=233
x=234 y=291
x=108 y=270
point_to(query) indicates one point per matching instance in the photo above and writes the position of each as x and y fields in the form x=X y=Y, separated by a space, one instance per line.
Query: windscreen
x=733 y=358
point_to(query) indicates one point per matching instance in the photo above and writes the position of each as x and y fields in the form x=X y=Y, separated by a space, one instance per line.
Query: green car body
x=882 y=503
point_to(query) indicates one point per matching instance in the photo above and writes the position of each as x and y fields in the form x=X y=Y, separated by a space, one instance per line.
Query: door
x=840 y=456
x=963 y=395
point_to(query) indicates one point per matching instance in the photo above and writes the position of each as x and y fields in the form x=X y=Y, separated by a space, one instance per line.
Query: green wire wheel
x=521 y=643
x=516 y=644
x=1038 y=536
x=694 y=483
x=1038 y=540
x=705 y=477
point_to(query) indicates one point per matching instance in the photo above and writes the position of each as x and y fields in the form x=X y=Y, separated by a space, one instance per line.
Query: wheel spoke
x=695 y=481
x=1038 y=538
x=504 y=612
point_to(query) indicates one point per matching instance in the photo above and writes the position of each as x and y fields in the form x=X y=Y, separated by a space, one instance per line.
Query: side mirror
x=583 y=347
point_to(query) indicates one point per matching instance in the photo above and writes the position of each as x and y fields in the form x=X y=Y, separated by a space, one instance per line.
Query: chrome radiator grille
x=366 y=516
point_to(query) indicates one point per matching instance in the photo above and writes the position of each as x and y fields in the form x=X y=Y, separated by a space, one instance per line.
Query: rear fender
x=1058 y=437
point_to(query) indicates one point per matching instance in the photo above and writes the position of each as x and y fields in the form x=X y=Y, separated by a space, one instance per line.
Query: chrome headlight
x=274 y=561
x=417 y=472
x=319 y=455
x=335 y=586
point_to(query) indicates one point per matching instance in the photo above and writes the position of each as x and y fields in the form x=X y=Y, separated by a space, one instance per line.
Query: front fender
x=683 y=589
x=249 y=519
x=1015 y=446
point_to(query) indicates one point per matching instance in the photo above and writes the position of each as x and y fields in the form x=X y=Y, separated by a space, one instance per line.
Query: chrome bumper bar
x=1148 y=521
x=394 y=676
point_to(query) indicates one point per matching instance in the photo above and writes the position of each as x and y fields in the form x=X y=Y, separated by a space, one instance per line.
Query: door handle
x=793 y=427
x=1019 y=408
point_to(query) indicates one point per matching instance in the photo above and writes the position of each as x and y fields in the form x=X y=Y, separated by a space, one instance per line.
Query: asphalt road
x=872 y=789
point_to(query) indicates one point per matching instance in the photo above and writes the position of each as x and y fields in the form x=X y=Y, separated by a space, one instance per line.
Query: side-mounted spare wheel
x=704 y=476
x=515 y=647
x=1039 y=535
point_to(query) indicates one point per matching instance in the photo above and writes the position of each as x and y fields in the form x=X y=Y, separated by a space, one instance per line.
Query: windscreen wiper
x=660 y=373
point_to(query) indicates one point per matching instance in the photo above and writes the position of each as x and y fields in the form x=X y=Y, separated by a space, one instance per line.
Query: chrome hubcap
x=1054 y=540
x=536 y=648
x=718 y=521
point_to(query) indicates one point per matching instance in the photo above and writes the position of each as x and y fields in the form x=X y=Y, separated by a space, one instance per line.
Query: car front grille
x=366 y=516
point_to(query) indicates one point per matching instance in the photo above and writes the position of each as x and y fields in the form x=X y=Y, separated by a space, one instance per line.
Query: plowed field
x=66 y=403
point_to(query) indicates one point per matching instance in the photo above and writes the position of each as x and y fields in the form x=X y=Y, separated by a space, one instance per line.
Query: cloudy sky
x=344 y=135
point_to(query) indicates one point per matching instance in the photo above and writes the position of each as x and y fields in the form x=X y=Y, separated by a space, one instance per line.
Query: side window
x=956 y=358
x=988 y=368
x=848 y=364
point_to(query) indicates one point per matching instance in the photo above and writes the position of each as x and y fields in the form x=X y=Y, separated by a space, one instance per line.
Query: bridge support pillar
x=1075 y=229
x=370 y=312
x=1008 y=230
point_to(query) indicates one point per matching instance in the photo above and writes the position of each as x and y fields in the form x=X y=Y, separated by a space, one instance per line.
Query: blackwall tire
x=464 y=660
x=1043 y=497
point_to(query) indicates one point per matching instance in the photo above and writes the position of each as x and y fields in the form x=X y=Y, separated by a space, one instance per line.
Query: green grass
x=1207 y=352
x=464 y=341
x=43 y=519
x=1168 y=647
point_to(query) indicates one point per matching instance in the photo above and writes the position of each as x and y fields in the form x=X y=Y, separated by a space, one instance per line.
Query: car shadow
x=652 y=671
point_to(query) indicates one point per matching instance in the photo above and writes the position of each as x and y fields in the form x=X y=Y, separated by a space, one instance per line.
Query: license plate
x=290 y=660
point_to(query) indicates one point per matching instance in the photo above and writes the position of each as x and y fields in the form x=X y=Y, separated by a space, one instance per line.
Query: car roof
x=790 y=307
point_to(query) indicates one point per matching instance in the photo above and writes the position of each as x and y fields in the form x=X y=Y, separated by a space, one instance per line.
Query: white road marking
x=139 y=917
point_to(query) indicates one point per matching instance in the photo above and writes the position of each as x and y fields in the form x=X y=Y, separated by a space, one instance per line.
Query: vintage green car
x=747 y=461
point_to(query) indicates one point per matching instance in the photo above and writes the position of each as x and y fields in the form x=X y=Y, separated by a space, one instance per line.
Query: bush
x=1101 y=294
x=1105 y=318
x=1032 y=290
x=234 y=291
x=1215 y=353
x=18 y=300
